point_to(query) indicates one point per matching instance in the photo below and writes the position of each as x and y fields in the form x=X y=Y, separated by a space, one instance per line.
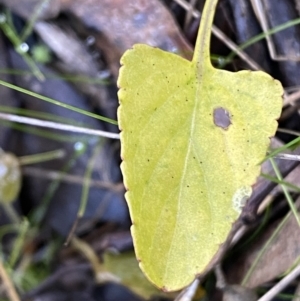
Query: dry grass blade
x=261 y=16
x=281 y=285
x=6 y=281
x=221 y=36
x=288 y=157
x=68 y=178
x=57 y=126
x=291 y=99
x=189 y=14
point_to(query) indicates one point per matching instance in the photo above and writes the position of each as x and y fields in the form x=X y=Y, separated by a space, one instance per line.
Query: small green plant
x=192 y=140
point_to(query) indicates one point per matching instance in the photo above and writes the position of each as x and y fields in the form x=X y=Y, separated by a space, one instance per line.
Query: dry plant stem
x=290 y=99
x=238 y=235
x=42 y=157
x=11 y=213
x=288 y=157
x=57 y=126
x=87 y=251
x=221 y=36
x=291 y=132
x=189 y=14
x=275 y=290
x=10 y=289
x=297 y=291
x=67 y=178
x=261 y=16
x=286 y=192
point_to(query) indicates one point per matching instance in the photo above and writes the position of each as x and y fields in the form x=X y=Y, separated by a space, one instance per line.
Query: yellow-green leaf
x=10 y=177
x=192 y=138
x=125 y=267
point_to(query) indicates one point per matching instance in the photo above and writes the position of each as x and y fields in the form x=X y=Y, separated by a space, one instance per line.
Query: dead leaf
x=284 y=247
x=118 y=24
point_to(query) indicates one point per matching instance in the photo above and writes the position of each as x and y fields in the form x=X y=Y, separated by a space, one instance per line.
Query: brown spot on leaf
x=222 y=118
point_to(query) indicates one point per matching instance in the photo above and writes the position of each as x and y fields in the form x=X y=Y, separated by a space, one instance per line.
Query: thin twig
x=11 y=213
x=285 y=191
x=288 y=157
x=189 y=14
x=67 y=178
x=291 y=98
x=42 y=157
x=259 y=10
x=221 y=36
x=297 y=291
x=291 y=132
x=276 y=289
x=57 y=126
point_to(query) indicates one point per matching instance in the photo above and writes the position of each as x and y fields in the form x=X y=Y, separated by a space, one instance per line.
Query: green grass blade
x=58 y=103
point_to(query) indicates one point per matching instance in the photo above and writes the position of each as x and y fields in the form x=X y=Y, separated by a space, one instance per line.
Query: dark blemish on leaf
x=148 y=160
x=187 y=186
x=200 y=162
x=222 y=118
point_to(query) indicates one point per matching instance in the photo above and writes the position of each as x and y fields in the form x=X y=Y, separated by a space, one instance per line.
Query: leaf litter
x=288 y=73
